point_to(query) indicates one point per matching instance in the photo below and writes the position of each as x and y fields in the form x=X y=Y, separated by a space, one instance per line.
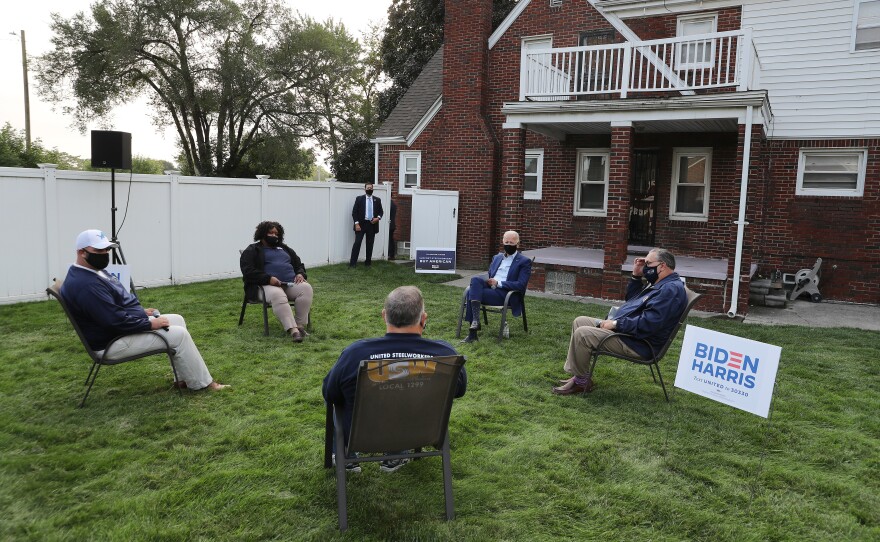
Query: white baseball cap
x=93 y=238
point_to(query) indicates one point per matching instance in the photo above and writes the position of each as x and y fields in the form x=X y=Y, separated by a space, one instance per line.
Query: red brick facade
x=466 y=148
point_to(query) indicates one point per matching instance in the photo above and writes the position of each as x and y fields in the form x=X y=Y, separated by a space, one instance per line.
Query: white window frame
x=577 y=186
x=677 y=154
x=539 y=154
x=530 y=43
x=858 y=191
x=701 y=65
x=402 y=188
x=857 y=6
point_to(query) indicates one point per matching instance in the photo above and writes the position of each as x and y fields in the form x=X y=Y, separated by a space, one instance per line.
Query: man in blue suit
x=509 y=270
x=366 y=213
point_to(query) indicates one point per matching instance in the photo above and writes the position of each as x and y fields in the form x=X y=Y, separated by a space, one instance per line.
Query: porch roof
x=686 y=266
x=720 y=112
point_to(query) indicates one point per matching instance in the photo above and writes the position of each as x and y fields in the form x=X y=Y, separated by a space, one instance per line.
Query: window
x=591 y=191
x=866 y=25
x=691 y=171
x=696 y=54
x=534 y=172
x=410 y=170
x=831 y=172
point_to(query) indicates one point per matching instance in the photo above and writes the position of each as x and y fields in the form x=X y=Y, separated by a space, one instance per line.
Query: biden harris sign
x=728 y=369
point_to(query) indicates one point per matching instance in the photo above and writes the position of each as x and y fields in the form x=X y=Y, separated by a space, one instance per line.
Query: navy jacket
x=253 y=263
x=360 y=209
x=651 y=313
x=517 y=277
x=103 y=309
x=341 y=381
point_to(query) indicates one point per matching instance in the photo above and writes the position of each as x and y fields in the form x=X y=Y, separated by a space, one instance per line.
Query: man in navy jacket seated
x=104 y=310
x=509 y=270
x=405 y=320
x=650 y=313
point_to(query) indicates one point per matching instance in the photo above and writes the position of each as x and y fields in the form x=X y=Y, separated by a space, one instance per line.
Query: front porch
x=579 y=272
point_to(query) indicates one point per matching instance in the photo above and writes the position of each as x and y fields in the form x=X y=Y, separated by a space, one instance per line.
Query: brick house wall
x=472 y=153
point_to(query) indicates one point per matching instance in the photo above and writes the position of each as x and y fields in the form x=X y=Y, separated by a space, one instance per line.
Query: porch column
x=510 y=201
x=617 y=219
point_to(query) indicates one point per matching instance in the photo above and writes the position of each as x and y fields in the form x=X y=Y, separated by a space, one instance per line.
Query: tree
x=412 y=36
x=14 y=153
x=353 y=161
x=230 y=76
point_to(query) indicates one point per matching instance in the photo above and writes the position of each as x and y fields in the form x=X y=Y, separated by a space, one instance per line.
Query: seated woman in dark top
x=276 y=267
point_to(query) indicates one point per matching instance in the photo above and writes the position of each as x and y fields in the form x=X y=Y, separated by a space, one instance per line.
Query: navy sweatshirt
x=651 y=313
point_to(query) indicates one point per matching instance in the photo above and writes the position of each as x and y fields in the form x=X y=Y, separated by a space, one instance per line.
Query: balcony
x=721 y=60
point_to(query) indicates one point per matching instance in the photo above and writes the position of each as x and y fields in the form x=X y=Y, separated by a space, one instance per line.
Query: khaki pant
x=188 y=361
x=585 y=336
x=300 y=294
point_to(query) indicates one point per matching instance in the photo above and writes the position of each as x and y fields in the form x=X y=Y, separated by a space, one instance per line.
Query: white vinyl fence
x=176 y=229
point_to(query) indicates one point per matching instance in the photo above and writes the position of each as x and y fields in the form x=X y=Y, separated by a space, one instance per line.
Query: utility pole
x=27 y=100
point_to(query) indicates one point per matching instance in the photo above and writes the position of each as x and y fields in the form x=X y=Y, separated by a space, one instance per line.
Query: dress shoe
x=475 y=324
x=573 y=389
x=296 y=335
x=471 y=338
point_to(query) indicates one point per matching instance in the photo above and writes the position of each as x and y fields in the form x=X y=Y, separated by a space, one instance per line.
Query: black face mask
x=272 y=241
x=650 y=273
x=98 y=261
x=369 y=192
x=510 y=249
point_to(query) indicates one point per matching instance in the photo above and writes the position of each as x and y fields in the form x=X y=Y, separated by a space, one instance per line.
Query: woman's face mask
x=272 y=240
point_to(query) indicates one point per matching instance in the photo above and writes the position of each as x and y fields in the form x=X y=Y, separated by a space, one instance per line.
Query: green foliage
x=139 y=164
x=230 y=76
x=14 y=152
x=141 y=463
x=355 y=162
x=414 y=33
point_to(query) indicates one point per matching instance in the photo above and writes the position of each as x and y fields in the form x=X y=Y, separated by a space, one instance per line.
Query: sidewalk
x=797 y=313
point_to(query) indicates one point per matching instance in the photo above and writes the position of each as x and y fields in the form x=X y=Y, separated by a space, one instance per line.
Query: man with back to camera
x=405 y=320
x=509 y=270
x=650 y=313
x=104 y=309
x=366 y=214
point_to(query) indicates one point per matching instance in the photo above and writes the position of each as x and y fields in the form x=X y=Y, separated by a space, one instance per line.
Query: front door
x=643 y=205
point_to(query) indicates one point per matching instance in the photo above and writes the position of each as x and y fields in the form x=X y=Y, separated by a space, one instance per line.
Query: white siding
x=818 y=88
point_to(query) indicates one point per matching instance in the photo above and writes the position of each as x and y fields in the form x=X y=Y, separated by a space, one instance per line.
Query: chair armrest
x=521 y=293
x=156 y=333
x=643 y=341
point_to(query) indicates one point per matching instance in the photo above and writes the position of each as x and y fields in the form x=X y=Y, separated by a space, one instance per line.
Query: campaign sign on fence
x=120 y=272
x=435 y=260
x=728 y=369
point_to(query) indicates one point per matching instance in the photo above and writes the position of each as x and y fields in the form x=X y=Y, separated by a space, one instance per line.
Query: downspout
x=741 y=221
x=376 y=166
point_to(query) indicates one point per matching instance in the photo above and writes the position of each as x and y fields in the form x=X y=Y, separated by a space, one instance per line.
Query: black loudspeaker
x=111 y=150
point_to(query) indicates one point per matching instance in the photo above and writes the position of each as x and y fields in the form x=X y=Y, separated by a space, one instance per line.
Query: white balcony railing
x=721 y=59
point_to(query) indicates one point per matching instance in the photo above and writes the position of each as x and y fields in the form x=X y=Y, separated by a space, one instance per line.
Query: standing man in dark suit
x=509 y=270
x=366 y=213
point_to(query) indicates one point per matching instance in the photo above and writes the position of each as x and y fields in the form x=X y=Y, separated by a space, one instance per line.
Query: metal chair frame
x=653 y=361
x=102 y=359
x=432 y=418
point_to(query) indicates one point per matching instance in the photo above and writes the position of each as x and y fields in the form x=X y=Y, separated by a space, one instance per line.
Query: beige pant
x=300 y=294
x=585 y=336
x=188 y=361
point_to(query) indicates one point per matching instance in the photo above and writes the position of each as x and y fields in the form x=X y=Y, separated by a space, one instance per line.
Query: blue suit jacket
x=517 y=278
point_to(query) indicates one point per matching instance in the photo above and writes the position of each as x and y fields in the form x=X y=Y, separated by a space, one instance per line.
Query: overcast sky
x=53 y=127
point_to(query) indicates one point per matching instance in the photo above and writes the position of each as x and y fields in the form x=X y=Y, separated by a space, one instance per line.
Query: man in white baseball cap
x=104 y=310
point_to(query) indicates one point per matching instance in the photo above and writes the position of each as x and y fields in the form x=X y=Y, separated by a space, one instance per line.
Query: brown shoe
x=180 y=385
x=296 y=335
x=573 y=389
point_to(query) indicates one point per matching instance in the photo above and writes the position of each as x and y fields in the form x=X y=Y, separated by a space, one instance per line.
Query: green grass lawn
x=141 y=463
